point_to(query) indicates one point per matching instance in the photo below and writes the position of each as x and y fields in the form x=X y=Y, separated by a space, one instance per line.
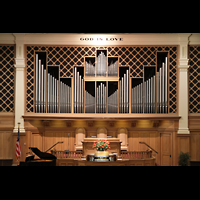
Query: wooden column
x=19 y=82
x=183 y=84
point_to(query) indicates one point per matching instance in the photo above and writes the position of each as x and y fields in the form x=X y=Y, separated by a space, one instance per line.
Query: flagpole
x=18 y=136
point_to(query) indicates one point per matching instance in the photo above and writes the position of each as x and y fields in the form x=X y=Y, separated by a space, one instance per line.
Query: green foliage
x=183 y=159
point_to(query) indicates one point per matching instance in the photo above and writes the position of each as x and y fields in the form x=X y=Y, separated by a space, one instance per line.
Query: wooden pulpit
x=115 y=145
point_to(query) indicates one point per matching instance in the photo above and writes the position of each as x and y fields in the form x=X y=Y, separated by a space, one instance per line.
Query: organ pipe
x=123 y=92
x=78 y=92
x=89 y=69
x=101 y=64
x=101 y=98
x=113 y=68
x=89 y=102
x=156 y=84
x=40 y=86
x=65 y=98
x=113 y=102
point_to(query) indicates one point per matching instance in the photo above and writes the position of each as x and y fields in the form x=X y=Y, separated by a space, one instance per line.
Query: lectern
x=115 y=146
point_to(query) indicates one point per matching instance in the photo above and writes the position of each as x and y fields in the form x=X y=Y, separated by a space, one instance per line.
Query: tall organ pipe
x=36 y=83
x=45 y=90
x=162 y=88
x=166 y=85
x=101 y=64
x=75 y=91
x=78 y=92
x=40 y=86
x=123 y=92
x=101 y=98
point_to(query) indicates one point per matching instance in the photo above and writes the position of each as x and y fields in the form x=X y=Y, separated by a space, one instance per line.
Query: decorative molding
x=21 y=130
x=100 y=39
x=183 y=63
x=19 y=62
x=183 y=131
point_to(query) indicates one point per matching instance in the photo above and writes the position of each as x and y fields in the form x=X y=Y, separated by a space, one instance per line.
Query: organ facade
x=91 y=82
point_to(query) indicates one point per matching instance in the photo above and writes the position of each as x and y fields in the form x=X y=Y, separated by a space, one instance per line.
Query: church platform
x=119 y=162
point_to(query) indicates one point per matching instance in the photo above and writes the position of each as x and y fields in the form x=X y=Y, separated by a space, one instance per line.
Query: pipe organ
x=118 y=92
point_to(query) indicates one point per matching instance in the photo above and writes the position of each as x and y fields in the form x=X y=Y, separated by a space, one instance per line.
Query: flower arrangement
x=101 y=145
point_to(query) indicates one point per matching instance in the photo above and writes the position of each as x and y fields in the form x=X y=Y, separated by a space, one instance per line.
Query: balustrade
x=136 y=154
x=124 y=154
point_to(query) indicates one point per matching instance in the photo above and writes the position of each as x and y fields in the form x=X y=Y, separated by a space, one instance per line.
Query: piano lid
x=42 y=155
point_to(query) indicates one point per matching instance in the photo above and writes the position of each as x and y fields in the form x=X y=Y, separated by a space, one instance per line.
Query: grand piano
x=46 y=159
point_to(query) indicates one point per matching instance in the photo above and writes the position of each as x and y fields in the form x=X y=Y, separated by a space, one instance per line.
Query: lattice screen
x=7 y=78
x=134 y=57
x=194 y=79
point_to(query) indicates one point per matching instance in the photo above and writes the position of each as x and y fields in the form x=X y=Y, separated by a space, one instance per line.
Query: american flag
x=18 y=146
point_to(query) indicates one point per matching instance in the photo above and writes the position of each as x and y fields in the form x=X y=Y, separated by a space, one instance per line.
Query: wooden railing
x=148 y=146
x=124 y=154
x=67 y=154
x=136 y=154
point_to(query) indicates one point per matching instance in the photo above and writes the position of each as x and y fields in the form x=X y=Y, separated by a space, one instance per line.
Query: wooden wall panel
x=183 y=143
x=194 y=126
x=48 y=138
x=195 y=146
x=6 y=147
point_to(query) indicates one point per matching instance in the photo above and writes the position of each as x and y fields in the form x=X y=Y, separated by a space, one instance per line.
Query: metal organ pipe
x=155 y=84
x=113 y=102
x=89 y=69
x=78 y=92
x=101 y=64
x=166 y=85
x=36 y=83
x=123 y=92
x=65 y=98
x=40 y=86
x=137 y=98
x=89 y=102
x=101 y=98
x=113 y=68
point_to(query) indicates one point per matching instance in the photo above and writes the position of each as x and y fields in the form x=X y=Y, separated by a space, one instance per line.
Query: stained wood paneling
x=166 y=149
x=6 y=147
x=195 y=146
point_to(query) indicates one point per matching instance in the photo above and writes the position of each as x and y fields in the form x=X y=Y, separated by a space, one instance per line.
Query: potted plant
x=102 y=146
x=183 y=159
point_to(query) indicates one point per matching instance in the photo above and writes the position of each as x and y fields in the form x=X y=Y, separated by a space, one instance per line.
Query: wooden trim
x=107 y=116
